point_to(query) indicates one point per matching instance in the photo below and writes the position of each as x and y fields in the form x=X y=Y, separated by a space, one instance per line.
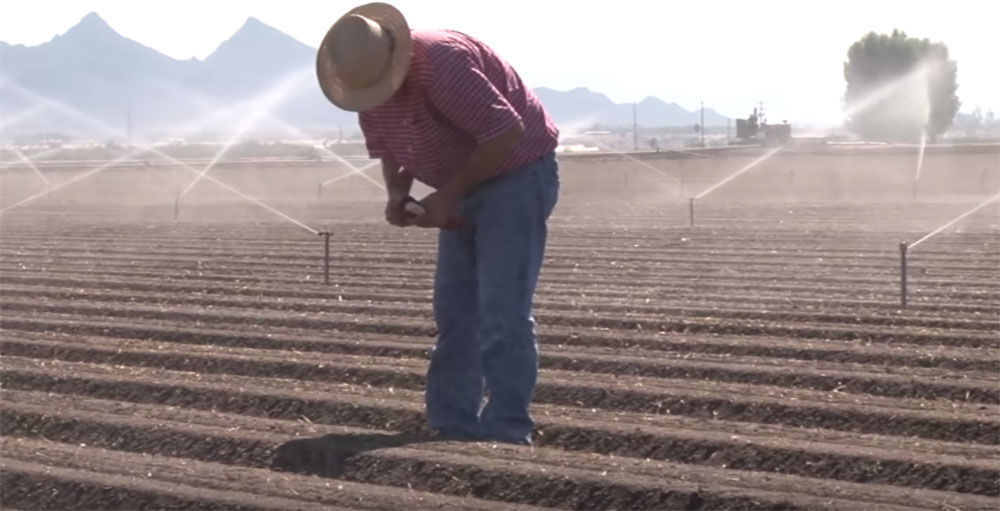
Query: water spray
x=25 y=159
x=905 y=248
x=729 y=178
x=923 y=147
x=647 y=166
x=650 y=167
x=888 y=89
x=253 y=200
x=269 y=100
x=37 y=156
x=48 y=191
x=273 y=96
x=736 y=174
x=959 y=218
x=920 y=162
x=19 y=116
x=352 y=172
x=326 y=256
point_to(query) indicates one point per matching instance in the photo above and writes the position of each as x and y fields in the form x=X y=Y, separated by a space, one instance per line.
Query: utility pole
x=635 y=129
x=702 y=124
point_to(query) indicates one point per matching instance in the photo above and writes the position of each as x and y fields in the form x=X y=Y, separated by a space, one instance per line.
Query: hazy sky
x=732 y=54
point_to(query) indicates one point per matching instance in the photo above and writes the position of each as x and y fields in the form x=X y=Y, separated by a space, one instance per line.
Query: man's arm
x=397 y=182
x=482 y=162
x=478 y=167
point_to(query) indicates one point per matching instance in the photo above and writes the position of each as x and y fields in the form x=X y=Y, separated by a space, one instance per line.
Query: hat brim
x=360 y=100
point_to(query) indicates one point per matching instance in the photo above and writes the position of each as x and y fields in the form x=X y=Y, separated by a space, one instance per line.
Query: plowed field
x=758 y=361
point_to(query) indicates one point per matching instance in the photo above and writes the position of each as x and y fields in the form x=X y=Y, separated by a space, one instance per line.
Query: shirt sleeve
x=373 y=141
x=465 y=96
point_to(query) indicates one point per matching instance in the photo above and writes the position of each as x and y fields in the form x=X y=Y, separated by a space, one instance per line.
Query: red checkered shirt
x=458 y=94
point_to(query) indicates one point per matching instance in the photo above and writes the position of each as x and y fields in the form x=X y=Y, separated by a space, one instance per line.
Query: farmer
x=441 y=107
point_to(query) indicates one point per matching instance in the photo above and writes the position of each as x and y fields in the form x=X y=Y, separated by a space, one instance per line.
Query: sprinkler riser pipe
x=903 y=249
x=691 y=211
x=326 y=257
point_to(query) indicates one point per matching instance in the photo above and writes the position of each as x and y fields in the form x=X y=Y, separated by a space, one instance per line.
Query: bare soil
x=760 y=360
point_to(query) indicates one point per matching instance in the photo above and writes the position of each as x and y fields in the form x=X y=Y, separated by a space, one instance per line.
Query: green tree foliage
x=897 y=86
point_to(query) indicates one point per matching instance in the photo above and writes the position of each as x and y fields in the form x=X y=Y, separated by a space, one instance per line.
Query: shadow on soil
x=327 y=455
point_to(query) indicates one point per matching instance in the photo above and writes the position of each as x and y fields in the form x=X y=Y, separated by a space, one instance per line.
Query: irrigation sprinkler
x=326 y=256
x=177 y=202
x=691 y=211
x=903 y=249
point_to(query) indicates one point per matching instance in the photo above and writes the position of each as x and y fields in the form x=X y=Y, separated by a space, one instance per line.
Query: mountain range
x=93 y=80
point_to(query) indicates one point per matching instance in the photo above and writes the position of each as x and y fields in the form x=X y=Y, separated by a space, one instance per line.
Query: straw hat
x=364 y=57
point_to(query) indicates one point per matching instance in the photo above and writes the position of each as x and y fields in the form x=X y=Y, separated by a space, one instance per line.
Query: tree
x=899 y=87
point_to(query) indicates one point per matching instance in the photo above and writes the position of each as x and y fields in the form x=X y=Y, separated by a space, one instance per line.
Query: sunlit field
x=708 y=339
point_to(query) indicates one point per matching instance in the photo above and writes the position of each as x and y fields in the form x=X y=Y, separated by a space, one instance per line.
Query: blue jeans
x=483 y=290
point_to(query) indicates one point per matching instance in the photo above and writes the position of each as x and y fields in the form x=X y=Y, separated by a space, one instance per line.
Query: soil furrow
x=778 y=351
x=714 y=401
x=279 y=257
x=368 y=291
x=40 y=485
x=246 y=361
x=394 y=323
x=208 y=485
x=488 y=471
x=394 y=409
x=555 y=272
x=29 y=414
x=420 y=308
x=364 y=238
x=581 y=283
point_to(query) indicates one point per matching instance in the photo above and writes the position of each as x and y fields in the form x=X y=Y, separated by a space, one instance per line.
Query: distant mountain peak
x=92 y=18
x=91 y=27
x=92 y=23
x=254 y=22
x=255 y=37
x=254 y=27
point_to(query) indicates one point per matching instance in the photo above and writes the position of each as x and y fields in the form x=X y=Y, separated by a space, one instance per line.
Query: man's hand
x=439 y=206
x=394 y=213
